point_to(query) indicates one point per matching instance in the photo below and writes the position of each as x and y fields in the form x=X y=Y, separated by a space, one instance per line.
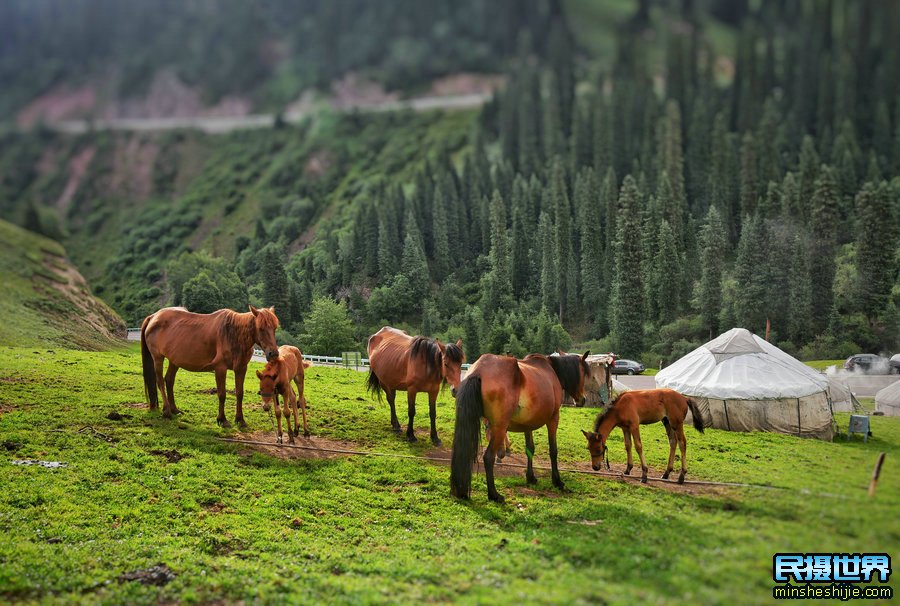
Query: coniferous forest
x=640 y=202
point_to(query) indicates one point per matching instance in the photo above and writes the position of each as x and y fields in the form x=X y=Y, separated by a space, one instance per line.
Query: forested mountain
x=641 y=202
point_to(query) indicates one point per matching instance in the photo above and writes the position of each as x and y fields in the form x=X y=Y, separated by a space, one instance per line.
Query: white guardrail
x=134 y=334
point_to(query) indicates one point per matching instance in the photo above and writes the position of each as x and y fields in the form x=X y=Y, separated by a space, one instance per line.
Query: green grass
x=237 y=524
x=34 y=313
x=823 y=364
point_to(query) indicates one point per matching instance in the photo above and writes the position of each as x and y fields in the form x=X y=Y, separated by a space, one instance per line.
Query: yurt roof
x=738 y=365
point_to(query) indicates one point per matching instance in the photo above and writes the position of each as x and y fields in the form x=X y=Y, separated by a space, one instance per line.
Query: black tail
x=373 y=385
x=149 y=369
x=695 y=414
x=466 y=436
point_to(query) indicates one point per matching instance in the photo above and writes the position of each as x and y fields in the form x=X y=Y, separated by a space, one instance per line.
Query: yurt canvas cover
x=888 y=400
x=743 y=383
x=839 y=392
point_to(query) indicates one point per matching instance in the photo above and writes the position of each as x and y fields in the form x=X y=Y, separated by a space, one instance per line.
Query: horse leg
x=170 y=387
x=161 y=385
x=239 y=374
x=277 y=407
x=551 y=434
x=220 y=389
x=507 y=447
x=411 y=411
x=529 y=452
x=290 y=402
x=490 y=454
x=636 y=436
x=432 y=411
x=670 y=433
x=395 y=423
x=682 y=441
x=302 y=399
x=630 y=464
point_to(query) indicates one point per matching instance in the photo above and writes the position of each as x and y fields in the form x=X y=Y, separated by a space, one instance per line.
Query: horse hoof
x=681 y=479
x=177 y=411
x=530 y=480
x=665 y=476
x=497 y=498
x=223 y=423
x=436 y=442
x=643 y=479
x=396 y=429
x=241 y=423
x=306 y=434
x=411 y=437
x=507 y=452
x=627 y=472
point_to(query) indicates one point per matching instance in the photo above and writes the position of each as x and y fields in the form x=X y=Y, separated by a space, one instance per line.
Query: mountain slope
x=45 y=300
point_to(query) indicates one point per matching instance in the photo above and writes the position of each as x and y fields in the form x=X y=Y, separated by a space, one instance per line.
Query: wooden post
x=875 y=473
x=768 y=328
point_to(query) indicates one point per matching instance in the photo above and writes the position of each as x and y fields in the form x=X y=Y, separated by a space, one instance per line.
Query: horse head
x=451 y=365
x=268 y=382
x=265 y=322
x=572 y=370
x=597 y=448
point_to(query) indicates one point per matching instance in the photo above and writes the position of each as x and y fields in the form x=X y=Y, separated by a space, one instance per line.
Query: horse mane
x=238 y=330
x=429 y=350
x=567 y=371
x=454 y=353
x=603 y=413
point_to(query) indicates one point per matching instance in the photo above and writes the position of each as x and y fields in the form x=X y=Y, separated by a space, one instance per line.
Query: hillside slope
x=45 y=300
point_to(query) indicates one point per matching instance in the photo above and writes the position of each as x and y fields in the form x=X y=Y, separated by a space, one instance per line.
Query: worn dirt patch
x=465 y=83
x=5 y=407
x=78 y=166
x=172 y=456
x=155 y=575
x=12 y=380
x=315 y=447
x=213 y=391
x=136 y=405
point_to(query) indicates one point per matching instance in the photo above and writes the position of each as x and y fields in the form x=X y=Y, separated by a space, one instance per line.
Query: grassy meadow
x=235 y=522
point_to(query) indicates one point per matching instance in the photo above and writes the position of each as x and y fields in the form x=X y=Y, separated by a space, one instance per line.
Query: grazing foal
x=276 y=379
x=635 y=408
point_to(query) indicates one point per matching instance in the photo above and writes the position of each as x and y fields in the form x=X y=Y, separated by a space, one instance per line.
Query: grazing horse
x=635 y=408
x=275 y=380
x=513 y=395
x=216 y=342
x=400 y=362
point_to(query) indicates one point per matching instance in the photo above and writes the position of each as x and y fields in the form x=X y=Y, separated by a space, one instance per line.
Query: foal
x=635 y=408
x=276 y=379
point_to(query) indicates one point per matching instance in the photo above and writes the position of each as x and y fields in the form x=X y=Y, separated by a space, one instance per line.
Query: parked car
x=895 y=364
x=627 y=367
x=868 y=364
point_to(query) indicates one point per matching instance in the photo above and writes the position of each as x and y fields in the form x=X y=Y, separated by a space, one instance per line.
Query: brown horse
x=275 y=380
x=635 y=408
x=513 y=395
x=399 y=362
x=215 y=342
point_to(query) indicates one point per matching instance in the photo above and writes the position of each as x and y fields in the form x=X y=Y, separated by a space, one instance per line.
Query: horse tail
x=373 y=385
x=307 y=363
x=695 y=414
x=466 y=436
x=149 y=368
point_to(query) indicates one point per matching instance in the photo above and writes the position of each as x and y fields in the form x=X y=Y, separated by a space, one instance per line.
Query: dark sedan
x=871 y=364
x=627 y=367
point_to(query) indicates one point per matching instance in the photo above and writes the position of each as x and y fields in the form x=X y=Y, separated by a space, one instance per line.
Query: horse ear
x=586 y=434
x=253 y=310
x=459 y=343
x=259 y=375
x=586 y=354
x=560 y=352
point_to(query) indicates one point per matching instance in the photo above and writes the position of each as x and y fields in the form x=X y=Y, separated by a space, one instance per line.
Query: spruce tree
x=548 y=263
x=749 y=177
x=501 y=273
x=588 y=200
x=876 y=248
x=713 y=250
x=565 y=258
x=750 y=271
x=667 y=272
x=414 y=266
x=626 y=302
x=823 y=223
x=441 y=244
x=800 y=299
x=275 y=289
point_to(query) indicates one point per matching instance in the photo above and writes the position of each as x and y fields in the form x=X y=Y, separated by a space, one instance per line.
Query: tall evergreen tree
x=750 y=188
x=714 y=248
x=667 y=271
x=549 y=296
x=274 y=279
x=823 y=224
x=441 y=243
x=876 y=248
x=800 y=299
x=626 y=302
x=750 y=271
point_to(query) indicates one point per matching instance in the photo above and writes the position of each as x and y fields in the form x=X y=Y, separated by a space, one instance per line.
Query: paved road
x=637 y=381
x=227 y=124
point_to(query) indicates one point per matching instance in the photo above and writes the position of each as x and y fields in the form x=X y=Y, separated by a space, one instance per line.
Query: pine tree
x=698 y=157
x=714 y=248
x=588 y=200
x=413 y=265
x=672 y=155
x=876 y=247
x=548 y=263
x=750 y=272
x=441 y=245
x=500 y=281
x=603 y=141
x=553 y=136
x=808 y=173
x=566 y=292
x=824 y=217
x=800 y=299
x=529 y=131
x=275 y=282
x=626 y=302
x=667 y=275
x=519 y=261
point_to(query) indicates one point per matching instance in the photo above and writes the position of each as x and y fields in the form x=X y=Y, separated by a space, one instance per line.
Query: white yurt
x=839 y=392
x=743 y=383
x=887 y=400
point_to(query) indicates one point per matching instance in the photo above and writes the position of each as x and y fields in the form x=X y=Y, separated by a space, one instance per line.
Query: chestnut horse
x=513 y=395
x=399 y=362
x=275 y=380
x=215 y=342
x=635 y=408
